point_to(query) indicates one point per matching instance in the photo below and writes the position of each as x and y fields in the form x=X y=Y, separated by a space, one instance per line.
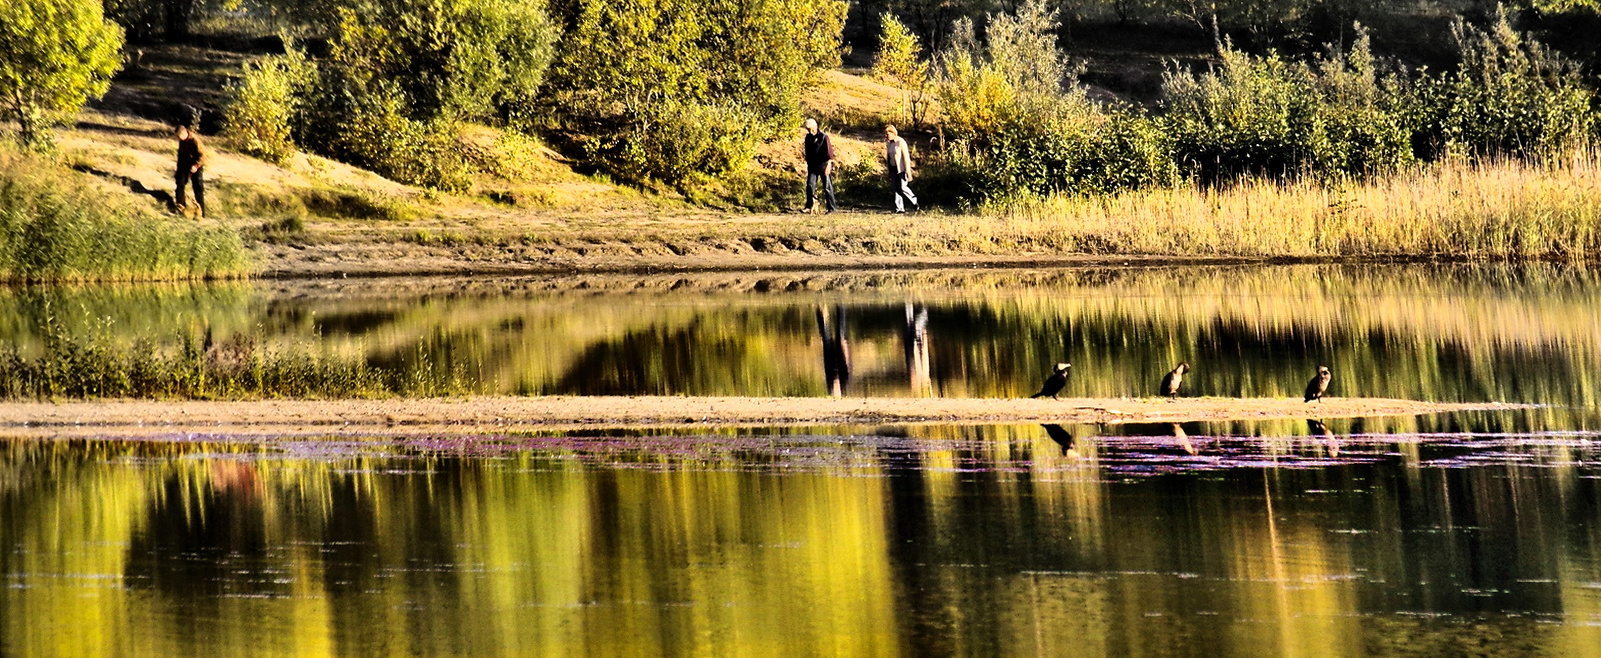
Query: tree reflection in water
x=987 y=539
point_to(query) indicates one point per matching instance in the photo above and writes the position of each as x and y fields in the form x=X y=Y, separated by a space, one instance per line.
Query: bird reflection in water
x=1063 y=438
x=836 y=351
x=914 y=337
x=1182 y=440
x=1321 y=434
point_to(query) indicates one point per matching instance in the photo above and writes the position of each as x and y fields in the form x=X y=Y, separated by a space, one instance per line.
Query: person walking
x=898 y=165
x=819 y=151
x=191 y=168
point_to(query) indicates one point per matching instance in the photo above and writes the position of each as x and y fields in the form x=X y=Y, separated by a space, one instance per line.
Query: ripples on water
x=888 y=540
x=1439 y=535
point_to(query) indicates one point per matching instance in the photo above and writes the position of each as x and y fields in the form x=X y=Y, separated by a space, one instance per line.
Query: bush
x=899 y=63
x=1249 y=116
x=1359 y=129
x=1026 y=128
x=684 y=142
x=399 y=80
x=1509 y=95
x=263 y=103
x=367 y=126
x=628 y=66
x=56 y=225
x=1268 y=116
x=454 y=59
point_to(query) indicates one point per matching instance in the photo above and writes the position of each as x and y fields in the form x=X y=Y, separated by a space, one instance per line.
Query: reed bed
x=97 y=367
x=1504 y=209
x=57 y=224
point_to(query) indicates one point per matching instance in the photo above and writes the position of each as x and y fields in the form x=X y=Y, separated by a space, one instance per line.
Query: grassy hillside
x=531 y=207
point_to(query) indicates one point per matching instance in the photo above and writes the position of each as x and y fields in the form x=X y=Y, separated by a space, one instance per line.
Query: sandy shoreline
x=500 y=413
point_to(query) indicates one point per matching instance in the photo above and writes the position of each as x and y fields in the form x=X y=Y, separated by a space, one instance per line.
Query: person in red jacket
x=191 y=168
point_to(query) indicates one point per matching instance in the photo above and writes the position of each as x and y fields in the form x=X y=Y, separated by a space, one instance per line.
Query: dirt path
x=494 y=413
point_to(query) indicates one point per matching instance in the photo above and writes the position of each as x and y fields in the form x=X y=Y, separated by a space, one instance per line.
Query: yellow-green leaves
x=54 y=55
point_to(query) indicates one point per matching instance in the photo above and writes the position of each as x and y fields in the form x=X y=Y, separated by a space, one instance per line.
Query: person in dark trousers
x=819 y=150
x=191 y=168
x=898 y=165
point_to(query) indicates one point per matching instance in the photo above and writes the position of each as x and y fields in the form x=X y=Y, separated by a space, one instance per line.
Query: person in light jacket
x=898 y=166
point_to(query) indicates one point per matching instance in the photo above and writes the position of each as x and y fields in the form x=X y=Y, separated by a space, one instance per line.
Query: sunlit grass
x=59 y=225
x=1495 y=210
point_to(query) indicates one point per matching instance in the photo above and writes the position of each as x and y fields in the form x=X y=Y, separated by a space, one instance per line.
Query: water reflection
x=1458 y=332
x=1061 y=436
x=836 y=351
x=915 y=339
x=917 y=541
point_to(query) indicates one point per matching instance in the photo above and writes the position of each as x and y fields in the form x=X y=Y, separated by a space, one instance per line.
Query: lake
x=1439 y=535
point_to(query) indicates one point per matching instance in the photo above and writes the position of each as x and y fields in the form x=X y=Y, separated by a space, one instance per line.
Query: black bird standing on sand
x=1318 y=385
x=1173 y=380
x=1053 y=384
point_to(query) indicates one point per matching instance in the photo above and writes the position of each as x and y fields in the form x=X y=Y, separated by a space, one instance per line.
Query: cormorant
x=1318 y=385
x=1053 y=384
x=1173 y=380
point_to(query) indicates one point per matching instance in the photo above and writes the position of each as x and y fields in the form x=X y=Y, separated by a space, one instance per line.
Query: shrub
x=1359 y=128
x=1267 y=116
x=456 y=59
x=683 y=142
x=367 y=126
x=399 y=80
x=1026 y=128
x=1509 y=95
x=263 y=103
x=627 y=66
x=899 y=63
x=1247 y=116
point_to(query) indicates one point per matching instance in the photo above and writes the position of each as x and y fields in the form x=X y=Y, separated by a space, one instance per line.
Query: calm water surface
x=1450 y=535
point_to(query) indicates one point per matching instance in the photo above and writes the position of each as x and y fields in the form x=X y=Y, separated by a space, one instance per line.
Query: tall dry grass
x=1491 y=210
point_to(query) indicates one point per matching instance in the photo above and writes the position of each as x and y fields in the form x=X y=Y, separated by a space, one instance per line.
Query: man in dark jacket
x=819 y=151
x=191 y=168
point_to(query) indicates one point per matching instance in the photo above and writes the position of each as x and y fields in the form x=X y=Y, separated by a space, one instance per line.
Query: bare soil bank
x=497 y=413
x=366 y=259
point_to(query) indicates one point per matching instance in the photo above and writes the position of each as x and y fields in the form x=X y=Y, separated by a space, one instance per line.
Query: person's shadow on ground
x=133 y=185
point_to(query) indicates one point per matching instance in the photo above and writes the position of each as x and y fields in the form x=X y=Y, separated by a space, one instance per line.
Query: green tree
x=401 y=76
x=460 y=59
x=899 y=62
x=54 y=55
x=1510 y=94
